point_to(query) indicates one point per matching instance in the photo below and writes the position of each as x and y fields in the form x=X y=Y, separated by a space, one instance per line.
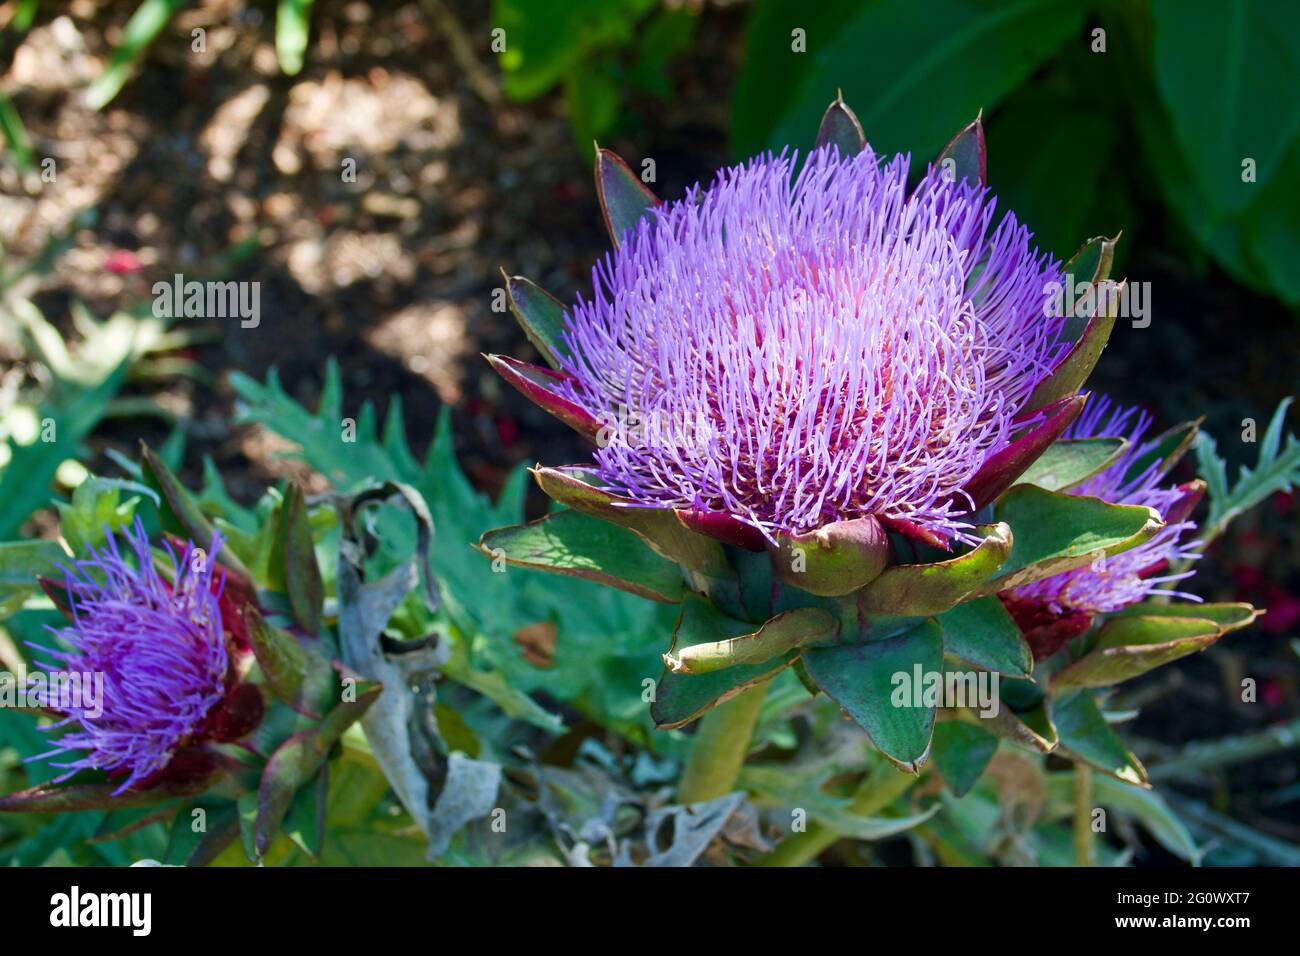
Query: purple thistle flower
x=811 y=348
x=160 y=648
x=1128 y=577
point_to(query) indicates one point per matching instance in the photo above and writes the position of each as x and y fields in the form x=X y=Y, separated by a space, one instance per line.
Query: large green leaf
x=983 y=633
x=570 y=542
x=962 y=750
x=1085 y=734
x=1071 y=461
x=20 y=563
x=1129 y=646
x=681 y=698
x=1054 y=532
x=1216 y=62
x=699 y=648
x=913 y=81
x=540 y=315
x=871 y=681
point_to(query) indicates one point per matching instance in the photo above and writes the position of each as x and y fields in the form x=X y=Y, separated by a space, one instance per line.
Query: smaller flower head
x=159 y=648
x=1116 y=581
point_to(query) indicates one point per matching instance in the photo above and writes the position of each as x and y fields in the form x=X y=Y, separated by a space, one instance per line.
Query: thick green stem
x=1226 y=751
x=720 y=747
x=877 y=790
x=1084 y=851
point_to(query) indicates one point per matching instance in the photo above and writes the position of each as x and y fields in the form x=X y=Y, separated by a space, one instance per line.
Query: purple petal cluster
x=159 y=646
x=1128 y=577
x=801 y=348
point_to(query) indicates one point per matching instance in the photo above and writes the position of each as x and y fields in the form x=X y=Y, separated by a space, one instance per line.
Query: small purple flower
x=1128 y=577
x=812 y=347
x=160 y=647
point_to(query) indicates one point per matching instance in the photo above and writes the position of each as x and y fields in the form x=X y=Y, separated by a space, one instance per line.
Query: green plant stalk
x=876 y=791
x=1084 y=851
x=721 y=746
x=1227 y=751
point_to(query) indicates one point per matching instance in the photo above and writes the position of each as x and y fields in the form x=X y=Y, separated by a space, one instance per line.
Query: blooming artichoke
x=832 y=417
x=168 y=660
x=215 y=683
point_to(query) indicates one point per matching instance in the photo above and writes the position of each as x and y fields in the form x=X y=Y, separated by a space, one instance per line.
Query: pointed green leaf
x=864 y=679
x=540 y=315
x=624 y=199
x=293 y=568
x=961 y=751
x=966 y=156
x=922 y=589
x=681 y=698
x=802 y=627
x=1071 y=461
x=1167 y=448
x=1129 y=646
x=572 y=543
x=983 y=633
x=1085 y=734
x=1055 y=532
x=841 y=128
x=305 y=824
x=1068 y=377
x=1229 y=617
x=299 y=758
x=181 y=514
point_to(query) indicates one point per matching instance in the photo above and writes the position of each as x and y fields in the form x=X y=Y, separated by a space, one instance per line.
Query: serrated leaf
x=1277 y=469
